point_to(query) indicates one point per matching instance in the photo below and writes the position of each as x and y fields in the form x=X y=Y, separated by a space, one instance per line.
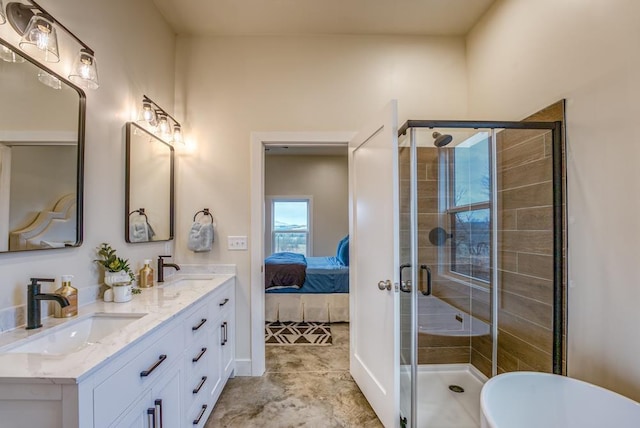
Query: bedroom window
x=469 y=208
x=291 y=225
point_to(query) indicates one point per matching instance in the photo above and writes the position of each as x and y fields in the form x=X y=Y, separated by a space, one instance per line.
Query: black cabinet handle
x=158 y=404
x=204 y=409
x=226 y=332
x=194 y=328
x=155 y=365
x=224 y=302
x=197 y=357
x=222 y=341
x=151 y=417
x=200 y=385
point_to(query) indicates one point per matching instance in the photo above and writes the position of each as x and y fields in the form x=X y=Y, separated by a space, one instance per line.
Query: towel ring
x=204 y=212
x=141 y=212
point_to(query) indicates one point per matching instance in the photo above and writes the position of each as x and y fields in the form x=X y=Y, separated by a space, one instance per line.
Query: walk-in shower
x=481 y=253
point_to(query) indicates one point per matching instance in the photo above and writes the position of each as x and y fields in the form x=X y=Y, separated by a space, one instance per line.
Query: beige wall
x=525 y=55
x=229 y=87
x=131 y=62
x=325 y=178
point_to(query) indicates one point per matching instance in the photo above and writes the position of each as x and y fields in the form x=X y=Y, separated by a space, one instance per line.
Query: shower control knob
x=385 y=285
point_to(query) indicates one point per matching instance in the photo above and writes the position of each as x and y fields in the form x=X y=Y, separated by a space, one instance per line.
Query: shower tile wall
x=525 y=234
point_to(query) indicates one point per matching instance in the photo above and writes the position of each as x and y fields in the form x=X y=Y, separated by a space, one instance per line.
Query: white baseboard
x=243 y=367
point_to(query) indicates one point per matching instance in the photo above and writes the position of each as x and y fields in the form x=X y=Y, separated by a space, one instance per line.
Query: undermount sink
x=73 y=335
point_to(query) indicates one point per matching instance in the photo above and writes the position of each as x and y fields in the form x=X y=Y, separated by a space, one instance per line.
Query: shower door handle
x=405 y=286
x=427 y=270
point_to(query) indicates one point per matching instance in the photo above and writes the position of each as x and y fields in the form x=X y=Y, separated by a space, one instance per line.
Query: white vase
x=108 y=295
x=121 y=293
x=113 y=278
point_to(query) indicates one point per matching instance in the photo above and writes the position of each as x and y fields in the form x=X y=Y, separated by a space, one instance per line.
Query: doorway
x=259 y=142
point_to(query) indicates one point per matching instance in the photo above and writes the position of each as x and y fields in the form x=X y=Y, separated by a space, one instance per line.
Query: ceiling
x=306 y=17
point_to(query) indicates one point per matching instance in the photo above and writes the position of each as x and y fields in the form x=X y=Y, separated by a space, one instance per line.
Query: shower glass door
x=479 y=259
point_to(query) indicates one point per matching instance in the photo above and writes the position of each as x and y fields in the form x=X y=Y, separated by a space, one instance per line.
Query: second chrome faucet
x=162 y=265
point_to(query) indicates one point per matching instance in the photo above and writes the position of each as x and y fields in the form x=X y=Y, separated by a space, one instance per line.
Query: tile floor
x=304 y=386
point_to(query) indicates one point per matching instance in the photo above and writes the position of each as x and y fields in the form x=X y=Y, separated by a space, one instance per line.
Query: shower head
x=441 y=140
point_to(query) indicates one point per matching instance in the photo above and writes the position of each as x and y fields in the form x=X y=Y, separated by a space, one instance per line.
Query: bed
x=300 y=288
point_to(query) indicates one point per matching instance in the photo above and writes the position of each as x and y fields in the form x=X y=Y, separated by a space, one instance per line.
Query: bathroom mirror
x=149 y=187
x=41 y=156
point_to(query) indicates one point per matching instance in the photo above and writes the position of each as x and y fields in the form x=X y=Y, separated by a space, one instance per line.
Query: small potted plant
x=117 y=273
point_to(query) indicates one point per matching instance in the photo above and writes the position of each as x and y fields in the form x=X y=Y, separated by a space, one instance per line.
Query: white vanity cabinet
x=170 y=377
x=209 y=344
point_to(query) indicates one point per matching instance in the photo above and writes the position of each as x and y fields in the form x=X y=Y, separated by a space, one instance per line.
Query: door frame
x=259 y=140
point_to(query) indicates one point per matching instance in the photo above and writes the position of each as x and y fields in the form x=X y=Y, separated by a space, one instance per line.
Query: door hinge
x=396 y=287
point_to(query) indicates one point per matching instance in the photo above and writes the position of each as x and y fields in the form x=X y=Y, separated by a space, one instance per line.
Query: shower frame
x=558 y=185
x=558 y=210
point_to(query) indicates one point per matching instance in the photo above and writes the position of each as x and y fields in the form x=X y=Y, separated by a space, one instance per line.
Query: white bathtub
x=541 y=400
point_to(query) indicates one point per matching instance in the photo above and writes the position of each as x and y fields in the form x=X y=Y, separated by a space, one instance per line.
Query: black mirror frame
x=82 y=114
x=127 y=204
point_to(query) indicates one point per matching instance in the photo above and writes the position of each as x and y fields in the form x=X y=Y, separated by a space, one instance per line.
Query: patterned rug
x=298 y=333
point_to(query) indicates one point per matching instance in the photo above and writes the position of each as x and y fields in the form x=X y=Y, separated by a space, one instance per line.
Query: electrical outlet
x=237 y=243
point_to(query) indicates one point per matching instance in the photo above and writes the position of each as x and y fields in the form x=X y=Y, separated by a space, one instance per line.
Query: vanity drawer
x=199 y=412
x=222 y=302
x=197 y=323
x=121 y=388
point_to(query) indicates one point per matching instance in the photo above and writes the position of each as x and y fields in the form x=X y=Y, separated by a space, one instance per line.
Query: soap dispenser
x=72 y=296
x=146 y=275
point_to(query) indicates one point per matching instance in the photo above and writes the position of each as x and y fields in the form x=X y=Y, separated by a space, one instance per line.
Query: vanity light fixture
x=38 y=31
x=160 y=122
x=7 y=54
x=49 y=79
x=3 y=17
x=85 y=72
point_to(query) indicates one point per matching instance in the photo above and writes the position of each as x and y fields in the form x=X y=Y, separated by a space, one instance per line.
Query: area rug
x=298 y=333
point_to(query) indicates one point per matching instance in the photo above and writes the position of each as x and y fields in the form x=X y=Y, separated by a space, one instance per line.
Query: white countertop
x=160 y=303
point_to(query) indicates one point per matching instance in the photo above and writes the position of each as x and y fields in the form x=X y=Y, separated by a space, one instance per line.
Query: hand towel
x=138 y=231
x=200 y=237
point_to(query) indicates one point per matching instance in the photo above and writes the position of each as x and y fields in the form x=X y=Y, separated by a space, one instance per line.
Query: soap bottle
x=71 y=294
x=146 y=275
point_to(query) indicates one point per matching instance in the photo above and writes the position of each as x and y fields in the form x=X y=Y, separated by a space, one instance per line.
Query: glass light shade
x=148 y=114
x=8 y=55
x=3 y=17
x=85 y=71
x=163 y=124
x=40 y=39
x=177 y=134
x=49 y=80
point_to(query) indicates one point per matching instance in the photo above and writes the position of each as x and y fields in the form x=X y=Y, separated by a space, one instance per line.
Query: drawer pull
x=200 y=385
x=204 y=409
x=200 y=324
x=158 y=404
x=151 y=417
x=222 y=334
x=224 y=302
x=197 y=357
x=155 y=365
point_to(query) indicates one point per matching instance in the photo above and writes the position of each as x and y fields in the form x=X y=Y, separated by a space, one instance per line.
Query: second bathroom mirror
x=149 y=196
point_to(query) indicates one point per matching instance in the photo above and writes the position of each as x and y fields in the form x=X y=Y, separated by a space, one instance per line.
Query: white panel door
x=374 y=255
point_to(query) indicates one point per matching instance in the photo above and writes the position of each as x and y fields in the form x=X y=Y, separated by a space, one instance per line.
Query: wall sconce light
x=161 y=123
x=3 y=17
x=49 y=79
x=85 y=71
x=8 y=55
x=38 y=31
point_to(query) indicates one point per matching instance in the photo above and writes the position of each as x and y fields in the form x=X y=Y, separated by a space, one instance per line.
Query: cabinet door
x=166 y=401
x=227 y=354
x=137 y=416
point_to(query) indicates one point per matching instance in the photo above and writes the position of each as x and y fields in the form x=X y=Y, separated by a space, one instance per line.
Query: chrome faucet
x=34 y=296
x=162 y=265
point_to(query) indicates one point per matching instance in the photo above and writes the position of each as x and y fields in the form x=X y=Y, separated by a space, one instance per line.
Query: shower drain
x=456 y=388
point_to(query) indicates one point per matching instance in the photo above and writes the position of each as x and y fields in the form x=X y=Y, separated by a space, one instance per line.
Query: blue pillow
x=343 y=251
